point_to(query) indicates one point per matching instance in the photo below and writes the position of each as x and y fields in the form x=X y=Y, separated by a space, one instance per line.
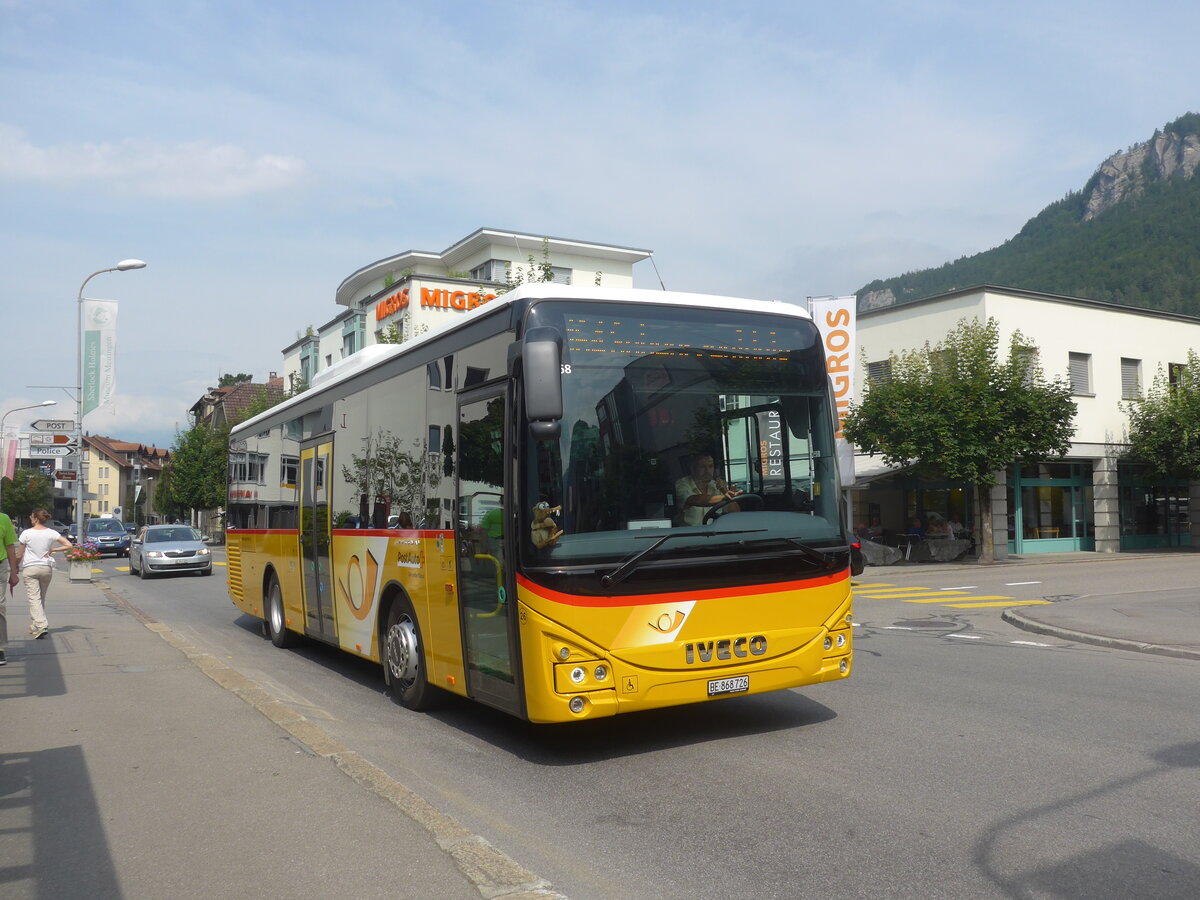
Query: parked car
x=169 y=548
x=61 y=527
x=109 y=536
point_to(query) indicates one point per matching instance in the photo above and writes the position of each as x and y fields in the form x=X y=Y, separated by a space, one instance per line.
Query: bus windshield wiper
x=809 y=552
x=629 y=566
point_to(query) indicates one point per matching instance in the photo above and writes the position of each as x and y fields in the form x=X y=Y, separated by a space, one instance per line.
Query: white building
x=418 y=290
x=1090 y=500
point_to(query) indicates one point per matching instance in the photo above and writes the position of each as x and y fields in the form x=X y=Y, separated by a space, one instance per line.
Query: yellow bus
x=513 y=508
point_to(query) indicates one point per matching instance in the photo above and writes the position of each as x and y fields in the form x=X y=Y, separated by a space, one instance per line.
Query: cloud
x=191 y=170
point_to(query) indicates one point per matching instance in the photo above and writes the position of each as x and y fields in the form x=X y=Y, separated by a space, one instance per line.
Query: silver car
x=169 y=548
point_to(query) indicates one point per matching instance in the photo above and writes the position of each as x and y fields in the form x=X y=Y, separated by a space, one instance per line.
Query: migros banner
x=431 y=298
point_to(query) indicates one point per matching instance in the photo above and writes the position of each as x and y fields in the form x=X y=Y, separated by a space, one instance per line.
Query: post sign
x=53 y=425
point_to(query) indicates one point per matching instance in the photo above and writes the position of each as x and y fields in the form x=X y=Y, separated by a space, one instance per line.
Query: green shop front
x=1051 y=508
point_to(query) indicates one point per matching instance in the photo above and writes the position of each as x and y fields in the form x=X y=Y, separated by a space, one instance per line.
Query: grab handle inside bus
x=541 y=366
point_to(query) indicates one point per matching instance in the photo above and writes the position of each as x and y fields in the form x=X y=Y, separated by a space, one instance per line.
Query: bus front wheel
x=276 y=623
x=403 y=661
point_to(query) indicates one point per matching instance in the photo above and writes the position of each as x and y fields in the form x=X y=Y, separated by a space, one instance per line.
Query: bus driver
x=701 y=490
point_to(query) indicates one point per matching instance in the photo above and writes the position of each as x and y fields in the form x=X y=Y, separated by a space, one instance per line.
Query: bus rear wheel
x=276 y=624
x=403 y=660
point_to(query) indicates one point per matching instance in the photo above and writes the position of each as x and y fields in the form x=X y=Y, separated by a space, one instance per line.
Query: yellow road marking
x=908 y=598
x=1009 y=602
x=895 y=592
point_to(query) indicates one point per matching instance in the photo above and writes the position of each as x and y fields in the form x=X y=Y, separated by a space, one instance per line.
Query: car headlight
x=154 y=554
x=203 y=551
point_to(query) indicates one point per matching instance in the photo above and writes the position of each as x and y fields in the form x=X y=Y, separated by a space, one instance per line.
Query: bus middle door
x=315 y=537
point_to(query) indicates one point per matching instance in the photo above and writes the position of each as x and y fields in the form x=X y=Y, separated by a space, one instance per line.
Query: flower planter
x=81 y=570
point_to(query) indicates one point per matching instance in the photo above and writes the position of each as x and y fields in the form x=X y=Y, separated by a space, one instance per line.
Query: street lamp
x=6 y=415
x=123 y=266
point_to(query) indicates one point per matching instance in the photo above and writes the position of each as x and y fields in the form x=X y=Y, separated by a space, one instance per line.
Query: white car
x=169 y=548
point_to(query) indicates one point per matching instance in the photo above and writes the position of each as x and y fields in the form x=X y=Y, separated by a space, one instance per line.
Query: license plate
x=736 y=685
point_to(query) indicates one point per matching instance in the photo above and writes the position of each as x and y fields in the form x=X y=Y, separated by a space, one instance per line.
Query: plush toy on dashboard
x=544 y=530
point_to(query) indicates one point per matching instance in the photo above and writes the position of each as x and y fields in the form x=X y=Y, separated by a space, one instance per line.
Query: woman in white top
x=37 y=567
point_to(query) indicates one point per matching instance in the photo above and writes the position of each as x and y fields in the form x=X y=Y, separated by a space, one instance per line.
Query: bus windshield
x=666 y=410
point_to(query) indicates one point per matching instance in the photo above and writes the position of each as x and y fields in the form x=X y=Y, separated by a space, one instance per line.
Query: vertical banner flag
x=99 y=353
x=837 y=321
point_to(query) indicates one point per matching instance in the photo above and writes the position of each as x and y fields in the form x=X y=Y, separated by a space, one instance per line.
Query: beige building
x=120 y=477
x=1091 y=499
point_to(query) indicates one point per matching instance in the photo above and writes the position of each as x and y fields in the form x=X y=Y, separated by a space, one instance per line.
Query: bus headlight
x=601 y=673
x=578 y=674
x=577 y=704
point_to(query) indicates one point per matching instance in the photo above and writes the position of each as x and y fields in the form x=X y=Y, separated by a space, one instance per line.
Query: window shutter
x=1080 y=365
x=1131 y=383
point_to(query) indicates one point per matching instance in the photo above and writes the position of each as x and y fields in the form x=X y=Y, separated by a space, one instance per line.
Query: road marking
x=1015 y=583
x=1030 y=644
x=961 y=587
x=949 y=595
x=1008 y=602
x=897 y=628
x=967 y=637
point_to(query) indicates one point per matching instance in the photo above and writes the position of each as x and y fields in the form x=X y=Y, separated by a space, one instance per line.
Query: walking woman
x=37 y=567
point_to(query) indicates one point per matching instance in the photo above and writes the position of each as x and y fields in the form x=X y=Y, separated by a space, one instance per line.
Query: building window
x=474 y=376
x=1175 y=373
x=879 y=372
x=348 y=344
x=289 y=471
x=435 y=376
x=1027 y=359
x=492 y=270
x=560 y=274
x=1131 y=378
x=435 y=439
x=248 y=467
x=1080 y=368
x=329 y=359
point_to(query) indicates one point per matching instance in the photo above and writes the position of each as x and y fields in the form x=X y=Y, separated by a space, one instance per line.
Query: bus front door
x=315 y=460
x=483 y=577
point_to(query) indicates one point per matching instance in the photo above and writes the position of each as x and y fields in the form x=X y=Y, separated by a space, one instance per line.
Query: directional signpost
x=65 y=475
x=53 y=425
x=52 y=440
x=60 y=450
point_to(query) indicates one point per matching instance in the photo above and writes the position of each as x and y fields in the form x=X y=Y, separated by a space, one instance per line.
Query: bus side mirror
x=541 y=366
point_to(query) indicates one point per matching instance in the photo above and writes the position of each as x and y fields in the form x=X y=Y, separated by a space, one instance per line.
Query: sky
x=254 y=153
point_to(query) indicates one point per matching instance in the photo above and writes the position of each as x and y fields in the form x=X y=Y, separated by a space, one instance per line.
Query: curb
x=494 y=873
x=1027 y=624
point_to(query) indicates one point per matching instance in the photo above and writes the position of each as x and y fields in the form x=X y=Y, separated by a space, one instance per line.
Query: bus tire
x=276 y=623
x=403 y=659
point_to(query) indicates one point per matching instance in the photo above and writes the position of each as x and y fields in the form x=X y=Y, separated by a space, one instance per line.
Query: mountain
x=1130 y=236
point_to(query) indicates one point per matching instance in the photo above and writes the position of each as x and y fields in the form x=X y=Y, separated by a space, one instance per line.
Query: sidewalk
x=134 y=766
x=1161 y=622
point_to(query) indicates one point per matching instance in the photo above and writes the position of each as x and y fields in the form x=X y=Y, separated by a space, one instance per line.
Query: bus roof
x=376 y=354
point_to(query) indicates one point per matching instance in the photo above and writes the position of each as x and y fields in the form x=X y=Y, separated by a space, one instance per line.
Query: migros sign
x=431 y=298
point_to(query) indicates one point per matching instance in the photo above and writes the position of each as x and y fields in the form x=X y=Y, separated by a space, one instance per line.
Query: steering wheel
x=757 y=503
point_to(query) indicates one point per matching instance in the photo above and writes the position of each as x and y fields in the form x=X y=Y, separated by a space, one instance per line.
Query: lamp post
x=5 y=416
x=123 y=266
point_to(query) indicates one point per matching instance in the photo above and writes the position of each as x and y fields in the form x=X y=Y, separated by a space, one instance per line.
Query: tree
x=961 y=410
x=230 y=380
x=1164 y=426
x=25 y=492
x=195 y=475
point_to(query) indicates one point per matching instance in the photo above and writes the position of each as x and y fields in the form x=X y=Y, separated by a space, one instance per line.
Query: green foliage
x=962 y=411
x=1164 y=426
x=228 y=380
x=25 y=492
x=391 y=335
x=1143 y=252
x=195 y=475
x=385 y=470
x=535 y=273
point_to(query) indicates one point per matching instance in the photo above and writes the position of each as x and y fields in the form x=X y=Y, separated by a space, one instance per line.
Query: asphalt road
x=964 y=758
